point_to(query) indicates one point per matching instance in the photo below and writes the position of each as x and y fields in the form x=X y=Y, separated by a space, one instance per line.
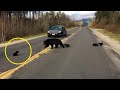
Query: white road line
x=113 y=57
x=12 y=71
x=108 y=50
x=20 y=41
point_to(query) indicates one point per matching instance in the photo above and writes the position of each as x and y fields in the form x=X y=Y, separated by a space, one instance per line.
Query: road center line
x=7 y=74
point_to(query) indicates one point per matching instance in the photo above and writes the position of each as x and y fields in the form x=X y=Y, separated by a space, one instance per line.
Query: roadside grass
x=30 y=36
x=69 y=28
x=110 y=34
x=27 y=37
x=36 y=35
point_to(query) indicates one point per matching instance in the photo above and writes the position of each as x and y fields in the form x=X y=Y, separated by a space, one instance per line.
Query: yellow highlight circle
x=9 y=43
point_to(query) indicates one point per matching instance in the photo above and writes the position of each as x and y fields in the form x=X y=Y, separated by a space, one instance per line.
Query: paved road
x=23 y=48
x=80 y=61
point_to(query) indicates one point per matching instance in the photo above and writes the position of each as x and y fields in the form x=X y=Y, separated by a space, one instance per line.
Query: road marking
x=20 y=41
x=7 y=74
x=5 y=51
x=114 y=57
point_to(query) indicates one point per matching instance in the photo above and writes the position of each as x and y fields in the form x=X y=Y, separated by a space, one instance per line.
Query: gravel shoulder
x=114 y=44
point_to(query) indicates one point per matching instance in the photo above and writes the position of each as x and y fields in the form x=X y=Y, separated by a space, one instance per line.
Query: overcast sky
x=78 y=15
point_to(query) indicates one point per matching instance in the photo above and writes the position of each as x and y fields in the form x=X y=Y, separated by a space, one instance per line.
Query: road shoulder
x=115 y=45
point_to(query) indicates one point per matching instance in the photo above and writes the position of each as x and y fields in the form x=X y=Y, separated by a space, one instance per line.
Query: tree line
x=25 y=23
x=109 y=20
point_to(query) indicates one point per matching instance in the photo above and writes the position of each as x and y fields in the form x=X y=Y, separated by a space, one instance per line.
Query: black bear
x=100 y=44
x=55 y=42
x=95 y=44
x=15 y=53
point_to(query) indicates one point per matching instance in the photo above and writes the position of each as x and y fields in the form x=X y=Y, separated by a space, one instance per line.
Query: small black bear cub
x=55 y=42
x=100 y=44
x=95 y=44
x=15 y=53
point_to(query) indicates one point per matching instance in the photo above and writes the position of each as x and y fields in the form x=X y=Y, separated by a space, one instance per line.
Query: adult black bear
x=15 y=53
x=55 y=42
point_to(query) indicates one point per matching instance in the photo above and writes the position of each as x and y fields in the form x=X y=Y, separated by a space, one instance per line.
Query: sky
x=78 y=15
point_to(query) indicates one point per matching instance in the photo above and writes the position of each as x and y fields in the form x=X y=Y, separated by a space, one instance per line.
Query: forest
x=109 y=20
x=24 y=23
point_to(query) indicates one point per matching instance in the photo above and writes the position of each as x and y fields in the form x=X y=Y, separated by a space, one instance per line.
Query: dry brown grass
x=113 y=28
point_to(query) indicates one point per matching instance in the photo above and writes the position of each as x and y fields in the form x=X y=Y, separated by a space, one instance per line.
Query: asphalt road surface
x=80 y=61
x=23 y=48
